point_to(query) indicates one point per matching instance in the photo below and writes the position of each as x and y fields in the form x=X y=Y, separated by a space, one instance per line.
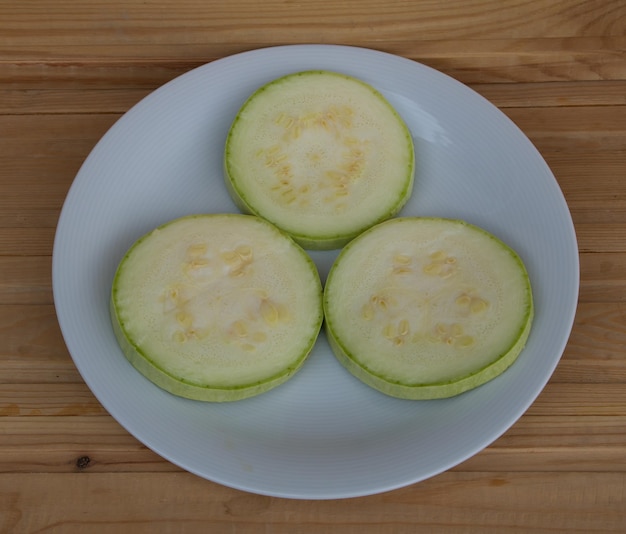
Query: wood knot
x=83 y=462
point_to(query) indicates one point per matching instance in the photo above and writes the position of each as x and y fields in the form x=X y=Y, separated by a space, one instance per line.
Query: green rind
x=305 y=241
x=182 y=388
x=427 y=391
x=204 y=392
x=309 y=241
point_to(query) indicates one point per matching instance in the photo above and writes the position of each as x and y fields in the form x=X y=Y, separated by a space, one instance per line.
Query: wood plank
x=25 y=282
x=37 y=207
x=571 y=129
x=592 y=185
x=592 y=212
x=21 y=217
x=601 y=237
x=57 y=399
x=40 y=156
x=474 y=61
x=191 y=21
x=60 y=444
x=599 y=330
x=534 y=60
x=580 y=399
x=38 y=76
x=36 y=370
x=451 y=503
x=80 y=100
x=42 y=207
x=603 y=280
x=605 y=125
x=594 y=177
x=545 y=494
x=50 y=134
x=552 y=443
x=553 y=94
x=51 y=399
x=592 y=130
x=572 y=370
x=73 y=97
x=34 y=349
x=37 y=444
x=511 y=36
x=31 y=336
x=597 y=133
x=603 y=277
x=26 y=241
x=38 y=172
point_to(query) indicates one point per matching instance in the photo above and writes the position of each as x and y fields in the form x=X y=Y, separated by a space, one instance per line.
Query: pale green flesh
x=216 y=307
x=427 y=308
x=321 y=155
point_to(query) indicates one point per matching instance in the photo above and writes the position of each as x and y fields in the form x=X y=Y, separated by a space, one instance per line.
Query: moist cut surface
x=425 y=307
x=321 y=155
x=216 y=307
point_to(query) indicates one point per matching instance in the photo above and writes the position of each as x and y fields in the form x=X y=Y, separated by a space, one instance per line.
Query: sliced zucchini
x=423 y=308
x=216 y=307
x=321 y=155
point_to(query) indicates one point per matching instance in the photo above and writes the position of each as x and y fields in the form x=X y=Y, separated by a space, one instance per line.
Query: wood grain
x=476 y=41
x=537 y=443
x=186 y=23
x=451 y=503
x=69 y=70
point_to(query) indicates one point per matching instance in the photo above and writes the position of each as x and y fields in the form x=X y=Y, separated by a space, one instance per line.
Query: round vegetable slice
x=321 y=155
x=216 y=307
x=423 y=308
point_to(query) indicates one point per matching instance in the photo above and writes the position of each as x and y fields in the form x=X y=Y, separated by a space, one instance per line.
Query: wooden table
x=69 y=70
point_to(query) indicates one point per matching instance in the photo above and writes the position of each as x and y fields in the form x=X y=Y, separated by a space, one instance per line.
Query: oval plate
x=323 y=434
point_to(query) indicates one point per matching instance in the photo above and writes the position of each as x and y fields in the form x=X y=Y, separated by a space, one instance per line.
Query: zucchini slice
x=216 y=307
x=321 y=155
x=423 y=308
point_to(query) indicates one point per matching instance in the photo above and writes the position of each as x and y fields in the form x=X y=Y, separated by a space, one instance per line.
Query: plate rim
x=216 y=64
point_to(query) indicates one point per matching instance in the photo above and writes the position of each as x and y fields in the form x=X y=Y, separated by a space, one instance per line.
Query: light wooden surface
x=69 y=69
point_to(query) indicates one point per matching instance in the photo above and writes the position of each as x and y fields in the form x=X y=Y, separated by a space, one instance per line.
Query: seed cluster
x=471 y=303
x=441 y=265
x=402 y=323
x=200 y=269
x=333 y=120
x=451 y=334
x=327 y=180
x=238 y=260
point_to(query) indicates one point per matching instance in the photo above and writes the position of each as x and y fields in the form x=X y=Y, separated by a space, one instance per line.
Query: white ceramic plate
x=323 y=434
